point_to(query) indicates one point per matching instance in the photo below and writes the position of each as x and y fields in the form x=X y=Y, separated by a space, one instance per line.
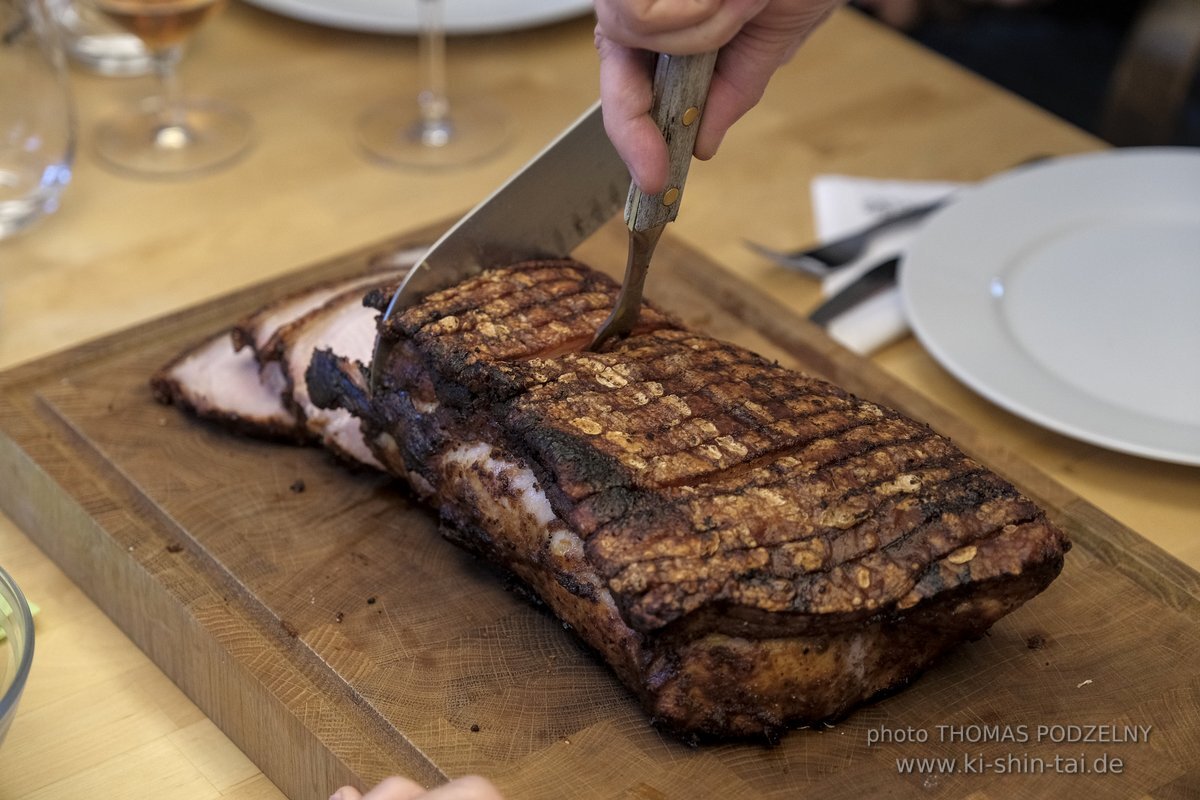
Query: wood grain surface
x=334 y=636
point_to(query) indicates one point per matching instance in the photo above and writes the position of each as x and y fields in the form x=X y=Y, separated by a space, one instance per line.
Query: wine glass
x=169 y=135
x=433 y=133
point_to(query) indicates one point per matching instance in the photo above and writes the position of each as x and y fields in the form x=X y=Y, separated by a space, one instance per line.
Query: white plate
x=1069 y=293
x=400 y=16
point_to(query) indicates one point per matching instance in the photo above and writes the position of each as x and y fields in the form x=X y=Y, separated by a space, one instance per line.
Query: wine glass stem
x=435 y=128
x=173 y=132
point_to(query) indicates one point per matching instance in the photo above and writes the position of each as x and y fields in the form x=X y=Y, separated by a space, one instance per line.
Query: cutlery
x=575 y=185
x=870 y=283
x=680 y=88
x=822 y=259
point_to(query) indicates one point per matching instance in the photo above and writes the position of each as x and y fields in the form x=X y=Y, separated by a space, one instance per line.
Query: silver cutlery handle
x=680 y=89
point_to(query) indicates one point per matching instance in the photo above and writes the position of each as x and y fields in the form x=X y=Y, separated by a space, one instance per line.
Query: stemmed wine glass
x=170 y=135
x=432 y=132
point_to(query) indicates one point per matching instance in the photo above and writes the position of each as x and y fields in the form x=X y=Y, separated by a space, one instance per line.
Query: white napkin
x=843 y=204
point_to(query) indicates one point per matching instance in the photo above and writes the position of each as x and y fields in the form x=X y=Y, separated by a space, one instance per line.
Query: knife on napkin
x=875 y=280
x=844 y=203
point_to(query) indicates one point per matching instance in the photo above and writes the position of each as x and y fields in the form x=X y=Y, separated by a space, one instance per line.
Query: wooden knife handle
x=680 y=89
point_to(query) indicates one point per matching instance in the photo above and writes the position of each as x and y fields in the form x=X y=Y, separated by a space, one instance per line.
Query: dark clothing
x=1059 y=55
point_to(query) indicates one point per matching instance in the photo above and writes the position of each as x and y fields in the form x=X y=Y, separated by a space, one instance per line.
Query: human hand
x=470 y=787
x=754 y=37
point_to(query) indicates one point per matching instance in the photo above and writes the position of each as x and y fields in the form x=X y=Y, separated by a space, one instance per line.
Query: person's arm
x=470 y=787
x=755 y=38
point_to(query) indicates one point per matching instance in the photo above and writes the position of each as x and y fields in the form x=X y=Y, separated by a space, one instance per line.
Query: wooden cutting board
x=319 y=619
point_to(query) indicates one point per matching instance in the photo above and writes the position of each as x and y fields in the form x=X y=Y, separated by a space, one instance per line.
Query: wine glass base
x=395 y=134
x=203 y=135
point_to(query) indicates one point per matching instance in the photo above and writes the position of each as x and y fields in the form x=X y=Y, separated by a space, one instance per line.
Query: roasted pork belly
x=748 y=547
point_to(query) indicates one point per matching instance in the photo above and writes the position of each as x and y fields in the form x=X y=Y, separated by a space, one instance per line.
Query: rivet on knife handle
x=680 y=89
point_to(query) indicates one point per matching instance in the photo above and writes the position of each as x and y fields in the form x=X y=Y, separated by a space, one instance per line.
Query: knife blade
x=680 y=88
x=558 y=199
x=870 y=283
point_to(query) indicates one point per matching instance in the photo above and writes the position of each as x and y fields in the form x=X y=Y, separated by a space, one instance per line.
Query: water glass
x=37 y=118
x=16 y=648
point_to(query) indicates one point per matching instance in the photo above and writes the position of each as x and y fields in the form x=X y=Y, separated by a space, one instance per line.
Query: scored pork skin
x=747 y=547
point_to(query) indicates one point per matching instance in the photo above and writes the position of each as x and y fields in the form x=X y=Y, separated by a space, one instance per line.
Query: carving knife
x=680 y=88
x=562 y=196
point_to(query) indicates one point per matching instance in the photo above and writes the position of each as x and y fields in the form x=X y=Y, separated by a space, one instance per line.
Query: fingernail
x=336 y=795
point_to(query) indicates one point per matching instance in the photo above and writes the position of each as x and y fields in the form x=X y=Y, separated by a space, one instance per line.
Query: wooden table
x=99 y=719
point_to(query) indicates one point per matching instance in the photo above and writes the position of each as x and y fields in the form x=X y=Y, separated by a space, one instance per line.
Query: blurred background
x=1125 y=70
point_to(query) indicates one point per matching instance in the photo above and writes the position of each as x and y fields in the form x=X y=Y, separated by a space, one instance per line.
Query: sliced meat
x=256 y=330
x=346 y=326
x=216 y=382
x=240 y=378
x=746 y=546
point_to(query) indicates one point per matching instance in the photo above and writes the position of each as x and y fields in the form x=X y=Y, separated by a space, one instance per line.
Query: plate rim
x=917 y=265
x=335 y=14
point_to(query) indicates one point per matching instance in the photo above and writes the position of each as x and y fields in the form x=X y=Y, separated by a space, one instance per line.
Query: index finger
x=626 y=96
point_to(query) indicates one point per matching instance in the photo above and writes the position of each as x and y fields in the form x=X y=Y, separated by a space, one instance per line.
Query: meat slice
x=255 y=330
x=345 y=326
x=216 y=382
x=746 y=546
